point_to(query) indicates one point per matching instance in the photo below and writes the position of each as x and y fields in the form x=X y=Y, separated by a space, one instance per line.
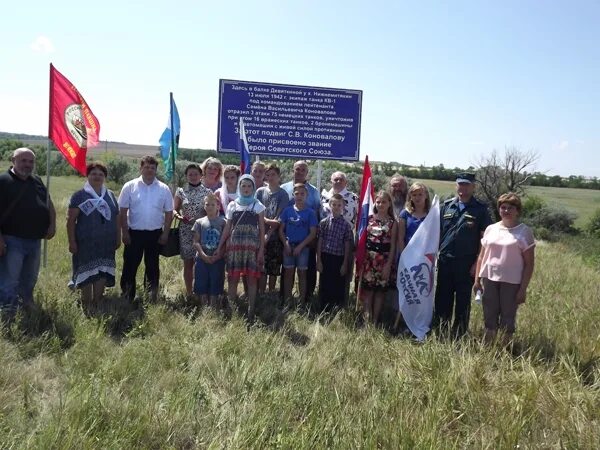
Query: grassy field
x=168 y=377
x=581 y=201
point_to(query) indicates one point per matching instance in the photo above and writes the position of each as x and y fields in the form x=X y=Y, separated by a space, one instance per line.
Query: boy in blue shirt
x=298 y=229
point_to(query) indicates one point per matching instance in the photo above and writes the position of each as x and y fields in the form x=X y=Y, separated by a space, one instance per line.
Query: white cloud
x=562 y=145
x=477 y=143
x=42 y=44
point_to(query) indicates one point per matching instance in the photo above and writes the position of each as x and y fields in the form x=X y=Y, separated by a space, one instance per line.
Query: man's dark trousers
x=453 y=279
x=332 y=285
x=143 y=243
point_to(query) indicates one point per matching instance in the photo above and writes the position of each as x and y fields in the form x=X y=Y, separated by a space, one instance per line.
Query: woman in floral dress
x=376 y=271
x=188 y=207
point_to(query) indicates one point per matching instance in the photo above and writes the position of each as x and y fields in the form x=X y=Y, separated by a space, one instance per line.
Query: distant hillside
x=120 y=148
x=387 y=168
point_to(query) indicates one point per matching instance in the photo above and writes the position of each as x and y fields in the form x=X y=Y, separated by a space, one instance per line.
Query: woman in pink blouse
x=504 y=268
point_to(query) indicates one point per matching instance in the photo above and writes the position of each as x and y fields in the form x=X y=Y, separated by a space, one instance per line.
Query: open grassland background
x=168 y=378
x=121 y=148
x=581 y=201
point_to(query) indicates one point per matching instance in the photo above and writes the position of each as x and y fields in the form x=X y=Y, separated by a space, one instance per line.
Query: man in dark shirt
x=463 y=221
x=26 y=216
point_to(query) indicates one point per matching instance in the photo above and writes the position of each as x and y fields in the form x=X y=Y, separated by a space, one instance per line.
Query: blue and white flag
x=416 y=274
x=245 y=166
x=170 y=141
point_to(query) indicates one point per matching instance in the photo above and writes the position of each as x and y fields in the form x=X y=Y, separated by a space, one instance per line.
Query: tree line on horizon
x=59 y=166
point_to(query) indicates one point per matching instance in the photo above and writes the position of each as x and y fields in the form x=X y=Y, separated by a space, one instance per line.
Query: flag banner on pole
x=416 y=273
x=367 y=200
x=168 y=152
x=245 y=166
x=71 y=126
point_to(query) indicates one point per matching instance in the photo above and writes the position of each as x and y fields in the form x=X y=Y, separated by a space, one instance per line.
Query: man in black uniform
x=463 y=221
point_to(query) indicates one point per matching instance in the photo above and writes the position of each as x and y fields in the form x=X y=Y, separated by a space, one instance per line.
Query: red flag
x=72 y=125
x=367 y=200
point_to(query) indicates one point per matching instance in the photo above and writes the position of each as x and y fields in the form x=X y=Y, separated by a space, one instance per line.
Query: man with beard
x=398 y=190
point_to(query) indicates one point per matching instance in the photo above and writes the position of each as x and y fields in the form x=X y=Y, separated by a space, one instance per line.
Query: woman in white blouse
x=504 y=268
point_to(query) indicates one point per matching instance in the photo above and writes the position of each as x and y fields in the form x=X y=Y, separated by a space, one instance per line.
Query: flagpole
x=319 y=174
x=172 y=142
x=366 y=189
x=48 y=146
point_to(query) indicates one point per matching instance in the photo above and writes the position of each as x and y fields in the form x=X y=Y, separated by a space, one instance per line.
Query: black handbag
x=171 y=248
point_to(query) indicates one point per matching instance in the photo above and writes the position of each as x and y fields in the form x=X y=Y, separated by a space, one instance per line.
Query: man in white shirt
x=339 y=181
x=146 y=212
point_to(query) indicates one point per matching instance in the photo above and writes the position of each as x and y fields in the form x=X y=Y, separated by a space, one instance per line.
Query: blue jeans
x=300 y=262
x=209 y=279
x=19 y=269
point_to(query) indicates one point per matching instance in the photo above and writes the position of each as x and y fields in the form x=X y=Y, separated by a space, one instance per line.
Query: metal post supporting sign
x=319 y=174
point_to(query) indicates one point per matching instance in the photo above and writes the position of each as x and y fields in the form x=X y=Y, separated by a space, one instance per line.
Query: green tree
x=593 y=225
x=7 y=146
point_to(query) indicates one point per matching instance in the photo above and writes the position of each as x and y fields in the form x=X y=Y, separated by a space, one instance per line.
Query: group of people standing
x=255 y=229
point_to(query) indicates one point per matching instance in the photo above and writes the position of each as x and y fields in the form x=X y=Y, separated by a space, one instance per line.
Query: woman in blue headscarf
x=244 y=237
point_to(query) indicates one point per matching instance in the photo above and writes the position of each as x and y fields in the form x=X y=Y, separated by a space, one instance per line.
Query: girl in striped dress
x=244 y=239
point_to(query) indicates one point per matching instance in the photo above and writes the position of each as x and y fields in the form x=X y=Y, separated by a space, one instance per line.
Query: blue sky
x=443 y=82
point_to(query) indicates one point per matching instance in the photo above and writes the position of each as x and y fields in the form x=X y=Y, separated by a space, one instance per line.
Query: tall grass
x=168 y=377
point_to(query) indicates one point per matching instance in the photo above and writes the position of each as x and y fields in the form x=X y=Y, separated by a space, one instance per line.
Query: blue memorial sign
x=290 y=121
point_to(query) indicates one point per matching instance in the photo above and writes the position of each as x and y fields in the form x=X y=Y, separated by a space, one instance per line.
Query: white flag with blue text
x=416 y=274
